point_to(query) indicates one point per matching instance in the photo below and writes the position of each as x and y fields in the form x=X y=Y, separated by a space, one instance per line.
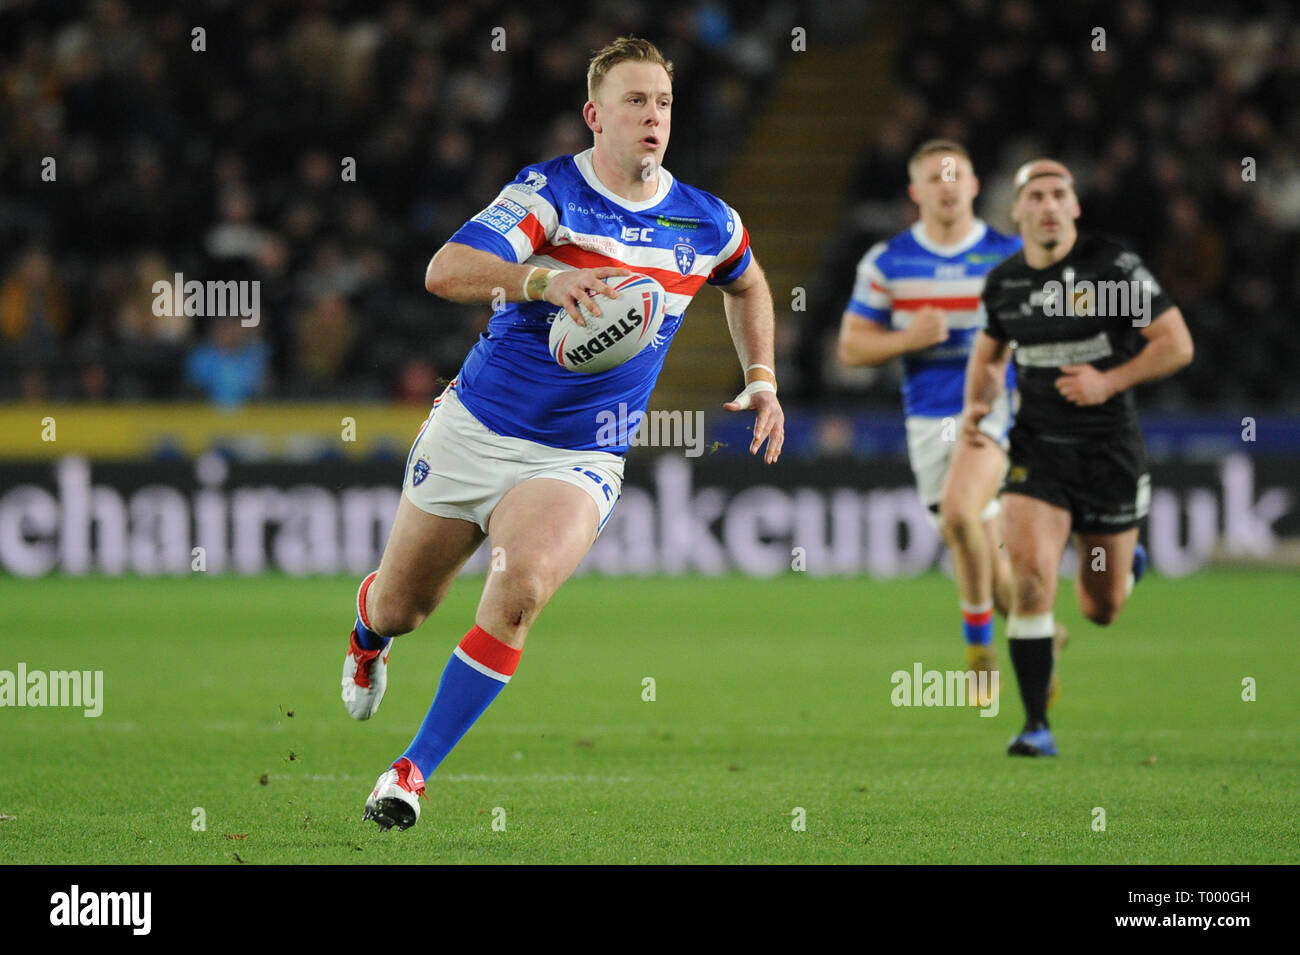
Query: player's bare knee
x=959 y=525
x=1030 y=593
x=392 y=617
x=522 y=598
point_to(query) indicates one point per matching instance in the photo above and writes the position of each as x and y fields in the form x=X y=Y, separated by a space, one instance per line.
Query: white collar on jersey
x=977 y=232
x=583 y=161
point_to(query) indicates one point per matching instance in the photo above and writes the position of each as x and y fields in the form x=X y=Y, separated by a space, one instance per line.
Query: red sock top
x=361 y=599
x=486 y=650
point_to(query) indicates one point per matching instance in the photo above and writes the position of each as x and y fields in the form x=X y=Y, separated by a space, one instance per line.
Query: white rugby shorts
x=930 y=454
x=459 y=468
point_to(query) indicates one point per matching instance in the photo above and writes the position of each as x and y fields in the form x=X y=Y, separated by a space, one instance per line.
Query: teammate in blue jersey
x=513 y=448
x=917 y=296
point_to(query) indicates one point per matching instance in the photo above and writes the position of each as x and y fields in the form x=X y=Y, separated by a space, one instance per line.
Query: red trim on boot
x=364 y=658
x=409 y=776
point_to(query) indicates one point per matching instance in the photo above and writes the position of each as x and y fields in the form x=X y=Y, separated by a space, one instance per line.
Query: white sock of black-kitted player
x=1029 y=639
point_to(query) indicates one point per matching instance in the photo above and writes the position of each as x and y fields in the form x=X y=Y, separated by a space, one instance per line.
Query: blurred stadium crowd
x=226 y=164
x=1155 y=128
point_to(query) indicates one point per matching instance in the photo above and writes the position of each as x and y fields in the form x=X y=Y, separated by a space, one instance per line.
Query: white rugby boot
x=395 y=800
x=365 y=677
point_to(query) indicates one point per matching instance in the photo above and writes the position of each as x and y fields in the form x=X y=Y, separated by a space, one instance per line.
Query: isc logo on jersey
x=626 y=325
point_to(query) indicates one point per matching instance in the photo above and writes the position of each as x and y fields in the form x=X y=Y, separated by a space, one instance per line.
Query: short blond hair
x=624 y=49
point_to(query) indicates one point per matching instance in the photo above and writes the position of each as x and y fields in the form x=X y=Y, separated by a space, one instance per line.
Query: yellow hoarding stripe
x=43 y=430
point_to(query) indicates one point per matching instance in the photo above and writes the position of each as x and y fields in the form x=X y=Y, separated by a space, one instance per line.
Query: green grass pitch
x=222 y=695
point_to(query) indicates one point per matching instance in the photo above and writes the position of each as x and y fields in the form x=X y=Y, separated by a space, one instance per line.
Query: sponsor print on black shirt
x=1089 y=308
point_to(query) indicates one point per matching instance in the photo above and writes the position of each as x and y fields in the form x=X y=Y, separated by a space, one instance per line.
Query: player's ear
x=1070 y=205
x=975 y=180
x=911 y=192
x=590 y=118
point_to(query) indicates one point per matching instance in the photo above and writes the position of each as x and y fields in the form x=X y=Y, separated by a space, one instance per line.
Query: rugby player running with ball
x=512 y=449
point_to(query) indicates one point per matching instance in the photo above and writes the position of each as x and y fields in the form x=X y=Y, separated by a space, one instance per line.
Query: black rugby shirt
x=1089 y=308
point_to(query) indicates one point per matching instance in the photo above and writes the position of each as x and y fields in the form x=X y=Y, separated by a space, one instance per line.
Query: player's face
x=1045 y=211
x=944 y=187
x=633 y=115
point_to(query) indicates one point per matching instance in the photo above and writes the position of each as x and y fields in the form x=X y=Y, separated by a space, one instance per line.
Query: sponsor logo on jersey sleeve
x=503 y=215
x=1131 y=265
x=534 y=182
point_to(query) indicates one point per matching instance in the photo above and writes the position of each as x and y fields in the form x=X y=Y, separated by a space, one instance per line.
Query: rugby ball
x=626 y=325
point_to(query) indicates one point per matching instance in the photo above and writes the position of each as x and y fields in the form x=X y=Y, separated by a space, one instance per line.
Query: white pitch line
x=467 y=778
x=534 y=778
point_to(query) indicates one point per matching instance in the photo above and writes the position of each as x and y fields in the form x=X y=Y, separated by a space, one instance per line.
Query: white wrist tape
x=751 y=389
x=550 y=274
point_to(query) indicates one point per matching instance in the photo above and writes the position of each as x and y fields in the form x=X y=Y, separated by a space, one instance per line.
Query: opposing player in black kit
x=1086 y=322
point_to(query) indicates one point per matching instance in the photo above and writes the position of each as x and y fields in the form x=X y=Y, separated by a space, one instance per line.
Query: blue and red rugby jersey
x=558 y=215
x=900 y=275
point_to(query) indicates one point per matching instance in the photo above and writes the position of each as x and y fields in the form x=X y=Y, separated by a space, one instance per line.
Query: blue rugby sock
x=367 y=639
x=977 y=623
x=478 y=670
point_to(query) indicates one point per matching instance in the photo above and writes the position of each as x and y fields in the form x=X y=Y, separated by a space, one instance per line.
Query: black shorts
x=1103 y=483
